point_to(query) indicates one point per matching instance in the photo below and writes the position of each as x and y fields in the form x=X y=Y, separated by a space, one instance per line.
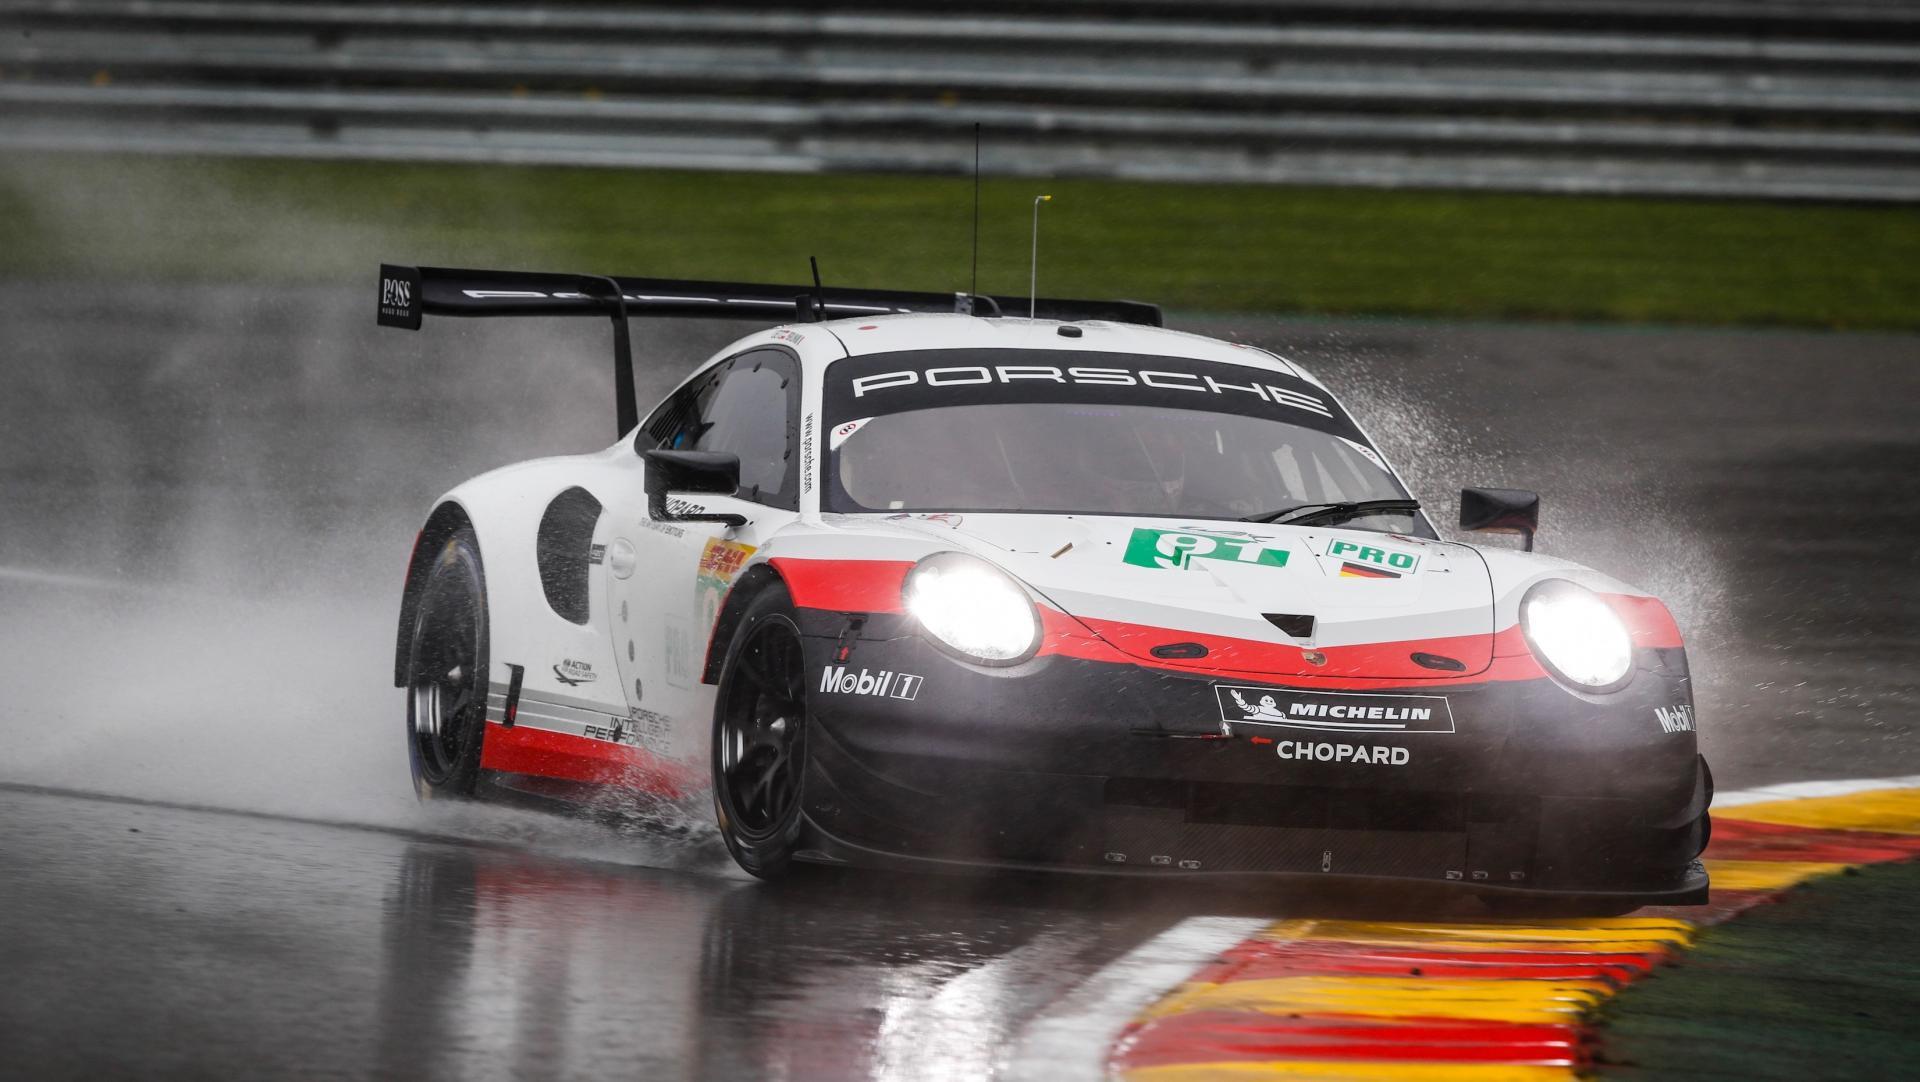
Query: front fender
x=825 y=569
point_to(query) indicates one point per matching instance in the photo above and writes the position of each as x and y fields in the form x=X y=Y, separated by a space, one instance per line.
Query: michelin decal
x=1329 y=710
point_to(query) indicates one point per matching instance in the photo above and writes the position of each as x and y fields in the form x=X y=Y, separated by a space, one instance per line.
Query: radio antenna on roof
x=1033 y=281
x=813 y=306
x=973 y=288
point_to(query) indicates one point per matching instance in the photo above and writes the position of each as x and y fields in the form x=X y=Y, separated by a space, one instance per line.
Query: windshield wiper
x=1302 y=513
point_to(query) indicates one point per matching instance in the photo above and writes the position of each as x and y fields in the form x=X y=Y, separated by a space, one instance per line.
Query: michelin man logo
x=1265 y=710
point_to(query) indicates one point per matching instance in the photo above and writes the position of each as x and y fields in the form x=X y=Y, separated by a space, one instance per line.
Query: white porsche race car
x=908 y=583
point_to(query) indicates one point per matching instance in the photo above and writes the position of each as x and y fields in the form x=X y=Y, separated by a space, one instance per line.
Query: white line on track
x=1069 y=1041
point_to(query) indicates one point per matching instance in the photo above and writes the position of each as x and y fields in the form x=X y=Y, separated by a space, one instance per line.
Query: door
x=664 y=609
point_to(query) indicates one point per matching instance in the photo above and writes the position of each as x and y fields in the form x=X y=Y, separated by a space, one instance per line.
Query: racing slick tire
x=447 y=672
x=760 y=737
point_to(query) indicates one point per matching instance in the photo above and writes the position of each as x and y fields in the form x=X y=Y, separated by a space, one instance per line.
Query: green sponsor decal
x=1390 y=559
x=1179 y=548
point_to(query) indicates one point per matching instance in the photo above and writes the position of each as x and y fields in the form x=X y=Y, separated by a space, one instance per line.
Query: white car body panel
x=647 y=637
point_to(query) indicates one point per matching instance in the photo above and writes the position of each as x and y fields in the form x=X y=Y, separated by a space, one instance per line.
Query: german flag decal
x=1360 y=571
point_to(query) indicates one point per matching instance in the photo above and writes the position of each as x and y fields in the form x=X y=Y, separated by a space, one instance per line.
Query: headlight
x=1576 y=636
x=972 y=608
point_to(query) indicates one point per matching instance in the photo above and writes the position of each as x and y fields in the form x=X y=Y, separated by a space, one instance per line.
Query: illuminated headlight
x=1576 y=636
x=972 y=608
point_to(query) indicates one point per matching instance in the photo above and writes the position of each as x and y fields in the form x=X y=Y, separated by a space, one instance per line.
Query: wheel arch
x=752 y=583
x=446 y=519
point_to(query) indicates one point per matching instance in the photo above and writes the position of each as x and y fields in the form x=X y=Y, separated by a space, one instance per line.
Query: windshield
x=1121 y=435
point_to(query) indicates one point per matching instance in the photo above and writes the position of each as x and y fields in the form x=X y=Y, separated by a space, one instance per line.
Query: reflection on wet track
x=206 y=944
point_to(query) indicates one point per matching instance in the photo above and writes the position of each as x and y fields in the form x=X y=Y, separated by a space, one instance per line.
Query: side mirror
x=1510 y=510
x=700 y=472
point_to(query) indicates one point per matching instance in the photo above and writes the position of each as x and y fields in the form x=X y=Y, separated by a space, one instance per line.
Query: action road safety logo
x=1333 y=710
x=1179 y=548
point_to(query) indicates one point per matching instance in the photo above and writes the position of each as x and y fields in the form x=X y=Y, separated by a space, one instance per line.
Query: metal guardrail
x=1504 y=94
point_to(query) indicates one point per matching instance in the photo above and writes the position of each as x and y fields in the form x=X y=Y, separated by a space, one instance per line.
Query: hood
x=1260 y=599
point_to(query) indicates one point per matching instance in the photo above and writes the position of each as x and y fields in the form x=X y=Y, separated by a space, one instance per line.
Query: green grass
x=1824 y=985
x=1190 y=247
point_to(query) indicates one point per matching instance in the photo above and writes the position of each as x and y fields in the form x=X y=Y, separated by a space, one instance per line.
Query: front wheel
x=447 y=672
x=760 y=737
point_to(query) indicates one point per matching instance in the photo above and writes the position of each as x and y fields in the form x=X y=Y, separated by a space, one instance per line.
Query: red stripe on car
x=1647 y=619
x=520 y=749
x=844 y=585
x=876 y=585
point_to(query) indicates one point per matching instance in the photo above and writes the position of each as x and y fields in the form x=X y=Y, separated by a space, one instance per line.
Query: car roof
x=900 y=333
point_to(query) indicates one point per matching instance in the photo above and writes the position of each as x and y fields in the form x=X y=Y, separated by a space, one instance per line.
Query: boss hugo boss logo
x=399 y=297
x=395 y=293
x=885 y=684
x=1338 y=711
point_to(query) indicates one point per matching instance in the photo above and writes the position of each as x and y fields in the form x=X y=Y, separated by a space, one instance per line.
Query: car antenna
x=1033 y=280
x=973 y=288
x=813 y=307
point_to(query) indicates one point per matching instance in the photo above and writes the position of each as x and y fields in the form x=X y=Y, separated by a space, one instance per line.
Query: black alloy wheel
x=760 y=737
x=447 y=672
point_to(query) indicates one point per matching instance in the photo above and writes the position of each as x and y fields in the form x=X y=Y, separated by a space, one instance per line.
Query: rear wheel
x=447 y=672
x=760 y=737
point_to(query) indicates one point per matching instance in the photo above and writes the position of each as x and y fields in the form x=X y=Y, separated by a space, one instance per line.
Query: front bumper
x=1110 y=766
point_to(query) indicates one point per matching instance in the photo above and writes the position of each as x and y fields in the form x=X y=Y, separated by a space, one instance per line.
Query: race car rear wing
x=409 y=293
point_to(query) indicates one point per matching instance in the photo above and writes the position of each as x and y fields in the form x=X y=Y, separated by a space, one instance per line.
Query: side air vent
x=1300 y=627
x=563 y=550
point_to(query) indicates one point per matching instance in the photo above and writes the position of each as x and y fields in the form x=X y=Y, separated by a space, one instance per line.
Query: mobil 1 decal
x=1366 y=560
x=881 y=684
x=1179 y=548
x=1333 y=710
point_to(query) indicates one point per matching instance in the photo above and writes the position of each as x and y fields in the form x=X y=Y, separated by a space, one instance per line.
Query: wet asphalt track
x=209 y=494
